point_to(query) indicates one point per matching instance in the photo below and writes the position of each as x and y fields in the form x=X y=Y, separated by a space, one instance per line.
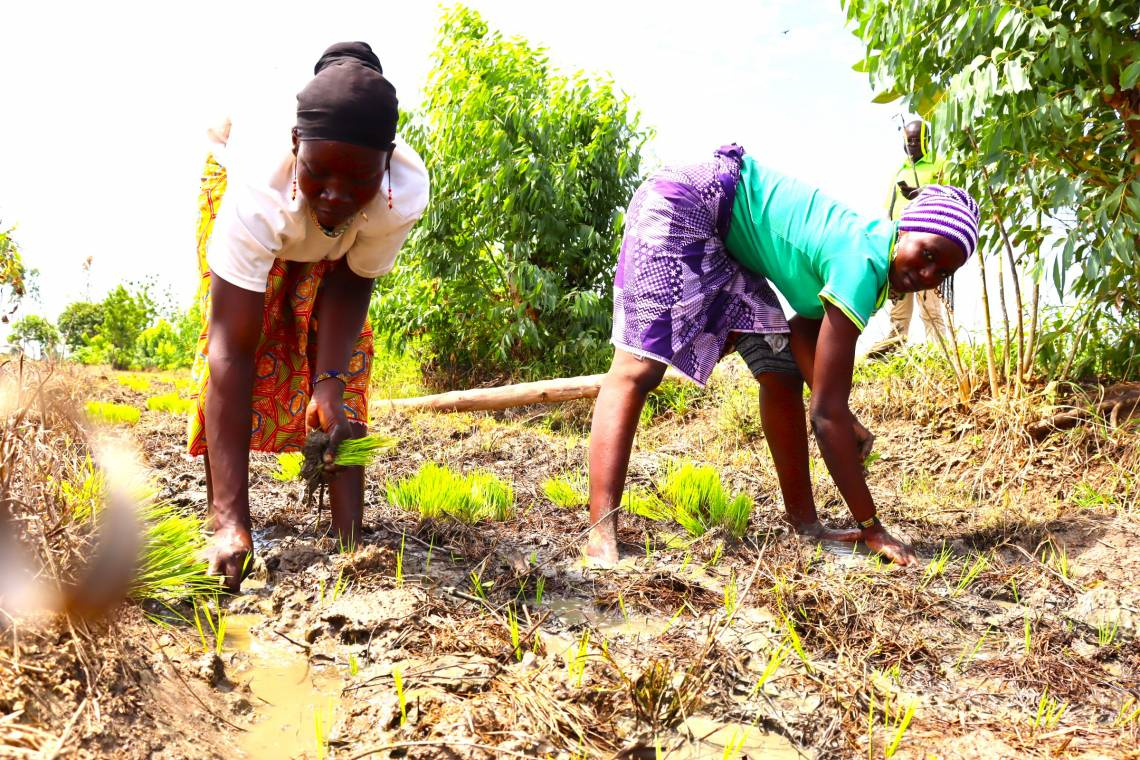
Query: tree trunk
x=507 y=396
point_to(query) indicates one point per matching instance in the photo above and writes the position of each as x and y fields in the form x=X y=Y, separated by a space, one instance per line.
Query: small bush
x=700 y=502
x=567 y=492
x=436 y=490
x=170 y=403
x=113 y=414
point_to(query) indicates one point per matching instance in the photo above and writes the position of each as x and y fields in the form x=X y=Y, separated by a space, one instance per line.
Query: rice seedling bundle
x=140 y=383
x=701 y=503
x=567 y=492
x=112 y=414
x=360 y=452
x=436 y=490
x=171 y=403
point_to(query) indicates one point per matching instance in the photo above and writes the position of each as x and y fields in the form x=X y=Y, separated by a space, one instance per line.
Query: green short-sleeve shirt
x=812 y=248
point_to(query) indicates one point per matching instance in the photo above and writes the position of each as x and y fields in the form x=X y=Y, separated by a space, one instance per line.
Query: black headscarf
x=348 y=100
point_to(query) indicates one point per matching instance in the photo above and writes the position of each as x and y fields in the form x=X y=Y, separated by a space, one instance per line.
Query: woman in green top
x=699 y=242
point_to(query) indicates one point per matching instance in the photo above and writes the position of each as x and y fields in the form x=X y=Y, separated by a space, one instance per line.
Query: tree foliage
x=12 y=274
x=511 y=267
x=79 y=322
x=1038 y=110
x=35 y=335
x=125 y=315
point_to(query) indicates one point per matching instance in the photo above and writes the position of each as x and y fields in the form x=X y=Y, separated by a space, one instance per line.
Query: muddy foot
x=601 y=549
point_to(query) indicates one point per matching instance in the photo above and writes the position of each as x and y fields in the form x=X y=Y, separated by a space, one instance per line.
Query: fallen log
x=507 y=396
x=1117 y=409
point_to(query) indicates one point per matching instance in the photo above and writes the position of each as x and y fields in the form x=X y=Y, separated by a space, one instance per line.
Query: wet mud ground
x=1016 y=635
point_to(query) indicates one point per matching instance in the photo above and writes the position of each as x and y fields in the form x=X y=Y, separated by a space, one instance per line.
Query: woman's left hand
x=326 y=412
x=864 y=438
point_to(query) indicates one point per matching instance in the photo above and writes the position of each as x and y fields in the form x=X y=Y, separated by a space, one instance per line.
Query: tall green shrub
x=510 y=270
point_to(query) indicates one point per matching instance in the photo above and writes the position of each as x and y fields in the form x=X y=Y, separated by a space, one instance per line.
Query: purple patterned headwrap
x=944 y=210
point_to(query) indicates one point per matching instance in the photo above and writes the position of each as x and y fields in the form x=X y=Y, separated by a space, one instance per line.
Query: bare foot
x=820 y=532
x=230 y=555
x=601 y=549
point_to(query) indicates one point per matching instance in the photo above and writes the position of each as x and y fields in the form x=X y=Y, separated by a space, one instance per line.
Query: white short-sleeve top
x=260 y=221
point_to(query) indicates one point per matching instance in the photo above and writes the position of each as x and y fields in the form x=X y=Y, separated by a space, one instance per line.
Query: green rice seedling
x=1028 y=635
x=970 y=573
x=360 y=452
x=288 y=466
x=112 y=414
x=1013 y=590
x=495 y=497
x=138 y=383
x=353 y=664
x=774 y=661
x=321 y=723
x=400 y=562
x=171 y=403
x=539 y=586
x=969 y=653
x=1128 y=714
x=398 y=679
x=731 y=592
x=718 y=552
x=700 y=502
x=638 y=501
x=896 y=720
x=432 y=491
x=430 y=551
x=1106 y=633
x=1057 y=558
x=793 y=639
x=734 y=744
x=513 y=625
x=340 y=587
x=1086 y=496
x=213 y=632
x=937 y=565
x=479 y=587
x=568 y=492
x=576 y=660
x=1049 y=712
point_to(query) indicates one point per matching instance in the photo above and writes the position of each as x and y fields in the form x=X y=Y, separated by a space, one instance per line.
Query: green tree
x=511 y=267
x=36 y=336
x=79 y=322
x=1038 y=108
x=12 y=274
x=125 y=315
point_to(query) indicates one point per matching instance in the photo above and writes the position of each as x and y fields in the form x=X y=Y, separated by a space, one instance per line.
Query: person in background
x=288 y=256
x=920 y=168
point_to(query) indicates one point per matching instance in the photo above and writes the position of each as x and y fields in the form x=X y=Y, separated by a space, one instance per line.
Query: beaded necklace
x=336 y=231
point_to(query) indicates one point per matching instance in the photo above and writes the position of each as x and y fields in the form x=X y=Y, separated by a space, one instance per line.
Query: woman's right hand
x=888 y=546
x=230 y=555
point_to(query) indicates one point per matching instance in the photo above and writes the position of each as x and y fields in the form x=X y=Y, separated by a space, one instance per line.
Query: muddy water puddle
x=294 y=703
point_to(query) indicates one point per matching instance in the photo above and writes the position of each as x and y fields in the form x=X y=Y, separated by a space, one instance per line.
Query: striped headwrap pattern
x=944 y=210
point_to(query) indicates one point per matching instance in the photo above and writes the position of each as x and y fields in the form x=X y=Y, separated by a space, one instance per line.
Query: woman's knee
x=635 y=373
x=780 y=383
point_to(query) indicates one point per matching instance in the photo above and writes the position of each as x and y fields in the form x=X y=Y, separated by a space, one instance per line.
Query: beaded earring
x=389 y=179
x=295 y=162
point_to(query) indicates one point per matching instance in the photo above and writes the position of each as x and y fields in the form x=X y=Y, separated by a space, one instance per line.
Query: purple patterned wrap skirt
x=678 y=294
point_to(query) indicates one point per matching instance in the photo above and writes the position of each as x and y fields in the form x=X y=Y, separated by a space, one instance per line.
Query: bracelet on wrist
x=870 y=522
x=332 y=374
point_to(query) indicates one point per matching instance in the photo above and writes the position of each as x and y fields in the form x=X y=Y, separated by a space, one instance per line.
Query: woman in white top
x=288 y=258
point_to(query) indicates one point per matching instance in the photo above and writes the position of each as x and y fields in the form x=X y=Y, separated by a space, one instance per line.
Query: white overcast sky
x=106 y=104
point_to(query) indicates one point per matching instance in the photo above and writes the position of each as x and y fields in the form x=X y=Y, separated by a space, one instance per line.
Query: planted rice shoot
x=436 y=490
x=398 y=679
x=213 y=632
x=171 y=403
x=107 y=413
x=1057 y=558
x=1049 y=711
x=568 y=492
x=1106 y=633
x=700 y=502
x=360 y=452
x=970 y=573
x=1128 y=714
x=774 y=661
